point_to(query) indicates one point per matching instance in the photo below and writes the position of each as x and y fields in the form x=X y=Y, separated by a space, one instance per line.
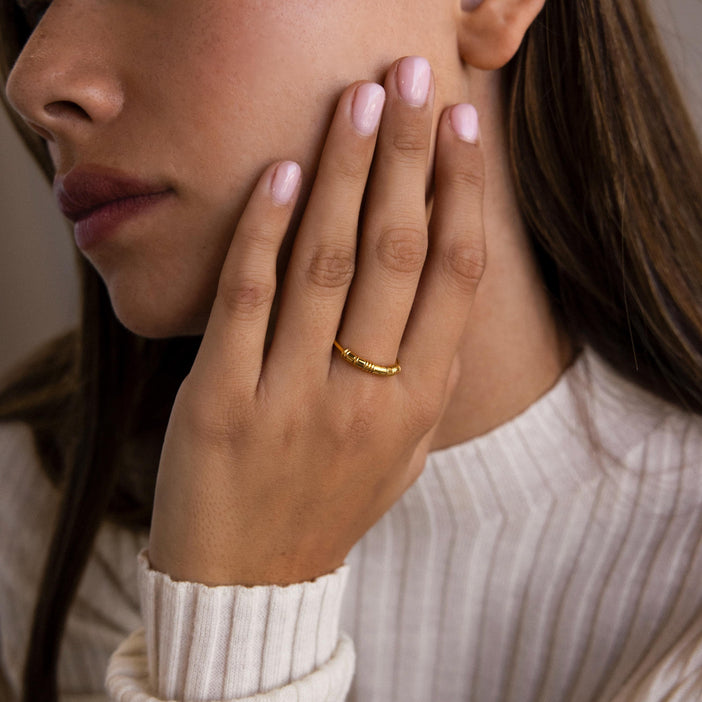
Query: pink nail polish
x=285 y=181
x=367 y=107
x=464 y=121
x=413 y=78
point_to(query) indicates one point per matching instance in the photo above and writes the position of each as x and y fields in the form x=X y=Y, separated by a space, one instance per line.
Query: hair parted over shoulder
x=608 y=173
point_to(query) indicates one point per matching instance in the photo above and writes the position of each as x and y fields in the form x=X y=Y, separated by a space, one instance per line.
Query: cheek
x=257 y=81
x=241 y=102
x=221 y=102
x=261 y=72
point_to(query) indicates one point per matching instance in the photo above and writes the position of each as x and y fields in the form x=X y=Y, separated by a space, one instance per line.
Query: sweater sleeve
x=234 y=643
x=675 y=677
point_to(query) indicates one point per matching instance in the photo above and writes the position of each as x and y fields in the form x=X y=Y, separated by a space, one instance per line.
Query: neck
x=513 y=349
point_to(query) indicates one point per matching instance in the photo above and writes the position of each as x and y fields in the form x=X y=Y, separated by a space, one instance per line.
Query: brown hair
x=608 y=172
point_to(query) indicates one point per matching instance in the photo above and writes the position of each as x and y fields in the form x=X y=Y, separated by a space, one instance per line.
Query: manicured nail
x=284 y=182
x=470 y=4
x=413 y=78
x=367 y=107
x=464 y=121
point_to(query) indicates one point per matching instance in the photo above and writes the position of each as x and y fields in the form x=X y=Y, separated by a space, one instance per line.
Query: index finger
x=232 y=348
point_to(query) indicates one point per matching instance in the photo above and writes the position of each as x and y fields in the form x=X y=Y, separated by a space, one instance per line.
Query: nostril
x=65 y=108
x=43 y=133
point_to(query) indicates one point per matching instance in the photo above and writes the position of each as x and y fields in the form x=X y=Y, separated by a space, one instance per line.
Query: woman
x=525 y=296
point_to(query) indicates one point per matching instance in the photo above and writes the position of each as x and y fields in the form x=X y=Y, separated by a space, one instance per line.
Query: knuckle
x=261 y=240
x=214 y=421
x=359 y=425
x=402 y=249
x=247 y=299
x=350 y=171
x=423 y=414
x=410 y=143
x=258 y=235
x=469 y=179
x=356 y=420
x=212 y=429
x=465 y=264
x=331 y=266
x=293 y=427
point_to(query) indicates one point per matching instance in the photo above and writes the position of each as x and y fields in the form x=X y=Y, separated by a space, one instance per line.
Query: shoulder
x=592 y=427
x=105 y=607
x=593 y=419
x=27 y=497
x=28 y=507
x=634 y=424
x=649 y=450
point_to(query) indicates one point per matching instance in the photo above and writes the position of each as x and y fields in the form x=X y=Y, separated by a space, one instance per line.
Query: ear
x=491 y=31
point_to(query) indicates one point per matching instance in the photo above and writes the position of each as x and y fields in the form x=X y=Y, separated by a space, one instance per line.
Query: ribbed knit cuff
x=233 y=642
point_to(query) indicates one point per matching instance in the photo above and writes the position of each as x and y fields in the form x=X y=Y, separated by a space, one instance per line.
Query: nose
x=63 y=84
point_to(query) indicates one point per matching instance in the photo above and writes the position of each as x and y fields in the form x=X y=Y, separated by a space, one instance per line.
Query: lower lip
x=101 y=223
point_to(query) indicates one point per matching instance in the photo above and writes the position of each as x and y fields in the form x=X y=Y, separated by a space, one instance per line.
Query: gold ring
x=367 y=366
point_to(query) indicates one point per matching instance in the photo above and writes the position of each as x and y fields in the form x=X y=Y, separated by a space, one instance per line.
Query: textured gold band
x=367 y=366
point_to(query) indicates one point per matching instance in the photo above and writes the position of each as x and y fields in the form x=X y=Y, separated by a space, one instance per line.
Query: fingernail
x=470 y=4
x=413 y=77
x=367 y=107
x=284 y=182
x=464 y=121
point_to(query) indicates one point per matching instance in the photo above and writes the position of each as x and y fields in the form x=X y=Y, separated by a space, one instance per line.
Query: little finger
x=457 y=256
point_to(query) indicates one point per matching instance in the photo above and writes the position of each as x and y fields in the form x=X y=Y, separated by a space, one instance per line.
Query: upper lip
x=81 y=191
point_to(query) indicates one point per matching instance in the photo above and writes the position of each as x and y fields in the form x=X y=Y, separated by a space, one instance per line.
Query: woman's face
x=196 y=98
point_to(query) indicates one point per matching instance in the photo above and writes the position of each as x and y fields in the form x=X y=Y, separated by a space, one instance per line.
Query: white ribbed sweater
x=523 y=565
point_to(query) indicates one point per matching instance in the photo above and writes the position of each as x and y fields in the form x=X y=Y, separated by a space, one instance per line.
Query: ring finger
x=393 y=241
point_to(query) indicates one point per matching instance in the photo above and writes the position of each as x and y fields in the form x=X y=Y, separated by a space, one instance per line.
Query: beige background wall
x=38 y=293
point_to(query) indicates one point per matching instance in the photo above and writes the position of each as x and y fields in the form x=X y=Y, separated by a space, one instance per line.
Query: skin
x=233 y=82
x=261 y=479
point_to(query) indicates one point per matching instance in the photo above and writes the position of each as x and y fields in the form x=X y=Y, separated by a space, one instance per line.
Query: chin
x=160 y=328
x=157 y=302
x=156 y=320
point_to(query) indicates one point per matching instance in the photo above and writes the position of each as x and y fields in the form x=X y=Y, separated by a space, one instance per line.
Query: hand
x=277 y=462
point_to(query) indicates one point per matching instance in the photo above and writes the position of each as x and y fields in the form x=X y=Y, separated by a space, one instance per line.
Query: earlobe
x=491 y=31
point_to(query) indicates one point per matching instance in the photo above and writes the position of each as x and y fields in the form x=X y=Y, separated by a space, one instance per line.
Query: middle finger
x=323 y=257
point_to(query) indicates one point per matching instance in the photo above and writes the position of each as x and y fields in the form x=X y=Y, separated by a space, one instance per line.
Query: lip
x=98 y=200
